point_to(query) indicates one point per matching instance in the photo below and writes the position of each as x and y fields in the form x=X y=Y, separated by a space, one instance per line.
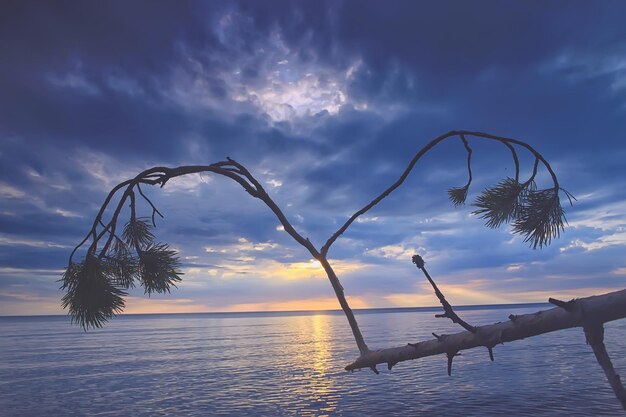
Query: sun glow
x=244 y=267
x=303 y=304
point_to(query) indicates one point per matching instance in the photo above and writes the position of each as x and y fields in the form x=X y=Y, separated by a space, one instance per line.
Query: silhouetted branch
x=456 y=193
x=161 y=254
x=447 y=308
x=154 y=209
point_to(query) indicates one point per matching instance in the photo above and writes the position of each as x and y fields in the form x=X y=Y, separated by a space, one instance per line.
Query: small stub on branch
x=565 y=305
x=451 y=356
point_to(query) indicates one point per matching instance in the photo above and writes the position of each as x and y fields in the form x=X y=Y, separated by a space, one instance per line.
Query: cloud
x=75 y=81
x=394 y=252
x=615 y=239
x=321 y=303
x=265 y=76
x=325 y=102
x=9 y=241
x=10 y=191
x=585 y=67
x=273 y=270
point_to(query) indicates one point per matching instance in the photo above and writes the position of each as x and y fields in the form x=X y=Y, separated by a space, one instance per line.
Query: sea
x=292 y=364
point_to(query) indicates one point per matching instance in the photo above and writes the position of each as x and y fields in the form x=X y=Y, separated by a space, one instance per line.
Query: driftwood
x=590 y=313
x=113 y=262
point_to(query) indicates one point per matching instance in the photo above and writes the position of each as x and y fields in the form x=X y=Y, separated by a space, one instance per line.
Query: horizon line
x=323 y=311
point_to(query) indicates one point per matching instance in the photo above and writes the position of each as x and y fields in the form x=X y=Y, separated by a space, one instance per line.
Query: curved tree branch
x=463 y=134
x=231 y=169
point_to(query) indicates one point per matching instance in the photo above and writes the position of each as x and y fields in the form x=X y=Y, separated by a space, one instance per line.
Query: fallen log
x=590 y=313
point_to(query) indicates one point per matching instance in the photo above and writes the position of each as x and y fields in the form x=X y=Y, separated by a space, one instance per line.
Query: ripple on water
x=290 y=365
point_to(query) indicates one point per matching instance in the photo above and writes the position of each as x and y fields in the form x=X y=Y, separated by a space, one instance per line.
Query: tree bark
x=583 y=312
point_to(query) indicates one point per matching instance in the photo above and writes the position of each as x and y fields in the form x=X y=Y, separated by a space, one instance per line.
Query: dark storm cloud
x=33 y=258
x=325 y=102
x=48 y=36
x=444 y=45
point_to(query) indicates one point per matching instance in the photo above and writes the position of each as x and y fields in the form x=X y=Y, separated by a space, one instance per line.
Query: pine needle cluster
x=501 y=203
x=92 y=297
x=95 y=288
x=535 y=214
x=458 y=195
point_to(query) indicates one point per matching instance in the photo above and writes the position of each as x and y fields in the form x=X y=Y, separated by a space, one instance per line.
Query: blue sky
x=325 y=102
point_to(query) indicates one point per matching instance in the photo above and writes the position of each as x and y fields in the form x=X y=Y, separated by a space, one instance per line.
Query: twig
x=515 y=159
x=469 y=160
x=448 y=311
x=154 y=209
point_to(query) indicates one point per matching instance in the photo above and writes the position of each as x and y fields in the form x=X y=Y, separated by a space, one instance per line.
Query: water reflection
x=321 y=344
x=316 y=392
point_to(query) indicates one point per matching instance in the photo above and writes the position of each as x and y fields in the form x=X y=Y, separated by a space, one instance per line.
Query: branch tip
x=418 y=261
x=447 y=307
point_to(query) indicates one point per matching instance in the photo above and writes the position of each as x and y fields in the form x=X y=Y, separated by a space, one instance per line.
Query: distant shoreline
x=358 y=311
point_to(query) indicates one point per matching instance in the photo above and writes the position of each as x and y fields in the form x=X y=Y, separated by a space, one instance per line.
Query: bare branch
x=458 y=195
x=418 y=156
x=469 y=158
x=154 y=209
x=447 y=308
x=98 y=218
x=160 y=176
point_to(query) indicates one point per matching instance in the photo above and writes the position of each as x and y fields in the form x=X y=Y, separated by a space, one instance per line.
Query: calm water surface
x=291 y=365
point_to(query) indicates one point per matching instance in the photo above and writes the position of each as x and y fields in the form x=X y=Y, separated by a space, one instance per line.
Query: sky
x=325 y=102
